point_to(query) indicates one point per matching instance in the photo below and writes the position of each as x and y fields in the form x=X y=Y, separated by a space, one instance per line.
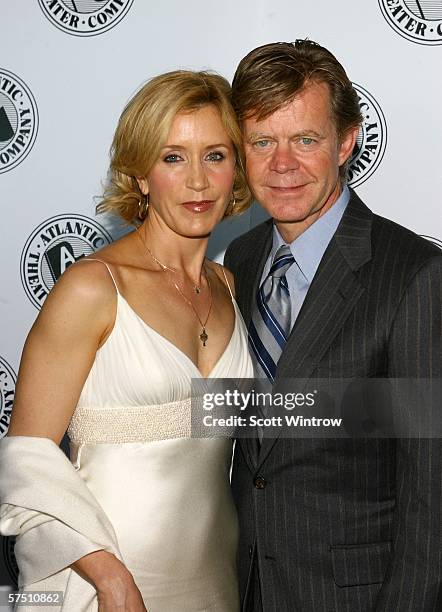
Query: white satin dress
x=166 y=495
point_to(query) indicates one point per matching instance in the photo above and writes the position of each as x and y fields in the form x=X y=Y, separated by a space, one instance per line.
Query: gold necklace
x=196 y=287
x=203 y=335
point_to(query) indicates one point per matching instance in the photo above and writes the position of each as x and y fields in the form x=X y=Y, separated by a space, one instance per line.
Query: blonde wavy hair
x=142 y=132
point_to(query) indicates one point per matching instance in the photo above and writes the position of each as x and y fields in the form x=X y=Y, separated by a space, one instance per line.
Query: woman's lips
x=199 y=206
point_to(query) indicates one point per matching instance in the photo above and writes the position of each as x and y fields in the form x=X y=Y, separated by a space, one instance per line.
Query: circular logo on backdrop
x=371 y=141
x=18 y=120
x=85 y=17
x=435 y=241
x=417 y=20
x=8 y=379
x=52 y=247
x=8 y=543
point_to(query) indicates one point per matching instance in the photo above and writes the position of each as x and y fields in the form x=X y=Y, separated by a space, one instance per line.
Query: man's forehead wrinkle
x=297 y=118
x=262 y=114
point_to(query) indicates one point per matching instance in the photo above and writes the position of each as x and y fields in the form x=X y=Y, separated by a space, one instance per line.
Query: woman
x=143 y=519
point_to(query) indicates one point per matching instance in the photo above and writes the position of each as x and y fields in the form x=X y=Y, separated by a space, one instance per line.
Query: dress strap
x=108 y=269
x=227 y=283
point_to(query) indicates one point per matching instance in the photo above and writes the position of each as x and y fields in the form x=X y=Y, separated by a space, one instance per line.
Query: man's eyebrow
x=257 y=135
x=298 y=134
x=309 y=134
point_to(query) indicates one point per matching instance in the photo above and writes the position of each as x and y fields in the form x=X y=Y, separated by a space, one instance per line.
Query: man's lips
x=198 y=206
x=285 y=189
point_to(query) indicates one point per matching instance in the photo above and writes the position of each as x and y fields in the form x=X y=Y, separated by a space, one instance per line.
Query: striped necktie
x=270 y=325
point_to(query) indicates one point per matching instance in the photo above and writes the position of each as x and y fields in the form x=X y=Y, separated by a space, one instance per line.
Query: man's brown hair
x=272 y=75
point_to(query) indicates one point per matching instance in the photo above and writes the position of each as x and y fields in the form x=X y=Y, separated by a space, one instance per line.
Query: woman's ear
x=143 y=185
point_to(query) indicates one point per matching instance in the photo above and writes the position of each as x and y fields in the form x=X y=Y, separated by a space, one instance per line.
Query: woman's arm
x=75 y=320
x=114 y=584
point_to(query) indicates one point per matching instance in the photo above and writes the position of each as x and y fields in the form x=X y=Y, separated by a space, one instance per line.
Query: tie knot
x=282 y=261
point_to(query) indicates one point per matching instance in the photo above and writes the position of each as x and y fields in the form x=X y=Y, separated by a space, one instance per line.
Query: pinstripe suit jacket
x=348 y=525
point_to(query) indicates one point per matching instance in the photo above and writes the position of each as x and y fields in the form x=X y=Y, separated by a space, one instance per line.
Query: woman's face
x=191 y=183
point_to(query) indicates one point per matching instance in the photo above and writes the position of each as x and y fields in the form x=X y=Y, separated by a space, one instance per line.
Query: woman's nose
x=197 y=177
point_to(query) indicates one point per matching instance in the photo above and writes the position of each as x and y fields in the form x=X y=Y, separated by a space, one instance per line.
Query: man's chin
x=286 y=208
x=288 y=221
x=285 y=214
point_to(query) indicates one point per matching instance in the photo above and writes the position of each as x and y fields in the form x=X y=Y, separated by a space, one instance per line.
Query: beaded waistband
x=130 y=423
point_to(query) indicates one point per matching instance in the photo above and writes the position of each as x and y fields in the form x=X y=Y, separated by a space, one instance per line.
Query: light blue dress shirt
x=308 y=250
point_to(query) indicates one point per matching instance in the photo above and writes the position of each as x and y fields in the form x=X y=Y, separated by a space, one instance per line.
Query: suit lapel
x=249 y=272
x=328 y=303
x=332 y=295
x=248 y=275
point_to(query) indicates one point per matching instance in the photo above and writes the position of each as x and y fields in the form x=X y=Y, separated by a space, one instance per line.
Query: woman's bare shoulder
x=224 y=275
x=84 y=294
x=89 y=278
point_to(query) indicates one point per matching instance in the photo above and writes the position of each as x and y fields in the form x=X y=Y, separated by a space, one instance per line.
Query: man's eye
x=261 y=144
x=215 y=156
x=172 y=158
x=305 y=140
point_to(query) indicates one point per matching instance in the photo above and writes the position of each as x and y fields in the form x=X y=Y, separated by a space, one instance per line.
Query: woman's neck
x=182 y=254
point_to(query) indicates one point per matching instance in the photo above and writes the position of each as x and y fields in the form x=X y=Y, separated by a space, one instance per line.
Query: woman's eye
x=215 y=156
x=172 y=158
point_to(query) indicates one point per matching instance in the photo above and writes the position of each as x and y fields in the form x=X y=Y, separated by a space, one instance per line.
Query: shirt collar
x=309 y=248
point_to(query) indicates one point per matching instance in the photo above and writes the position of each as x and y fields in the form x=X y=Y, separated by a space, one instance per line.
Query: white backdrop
x=67 y=68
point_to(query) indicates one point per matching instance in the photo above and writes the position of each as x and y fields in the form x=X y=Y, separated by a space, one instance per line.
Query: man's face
x=293 y=159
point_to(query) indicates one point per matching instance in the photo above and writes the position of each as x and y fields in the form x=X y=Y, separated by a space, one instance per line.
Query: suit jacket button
x=260 y=482
x=250 y=551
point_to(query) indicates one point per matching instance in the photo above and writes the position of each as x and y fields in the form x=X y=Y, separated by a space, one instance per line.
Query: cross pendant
x=203 y=337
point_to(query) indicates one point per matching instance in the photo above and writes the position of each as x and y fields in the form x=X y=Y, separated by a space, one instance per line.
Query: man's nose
x=284 y=159
x=197 y=176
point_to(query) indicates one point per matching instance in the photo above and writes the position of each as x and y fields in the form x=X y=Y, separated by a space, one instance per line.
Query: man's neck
x=290 y=230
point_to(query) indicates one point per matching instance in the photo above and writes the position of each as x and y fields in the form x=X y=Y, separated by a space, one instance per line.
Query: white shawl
x=56 y=518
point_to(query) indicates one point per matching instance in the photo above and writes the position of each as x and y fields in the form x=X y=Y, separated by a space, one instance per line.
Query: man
x=351 y=524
